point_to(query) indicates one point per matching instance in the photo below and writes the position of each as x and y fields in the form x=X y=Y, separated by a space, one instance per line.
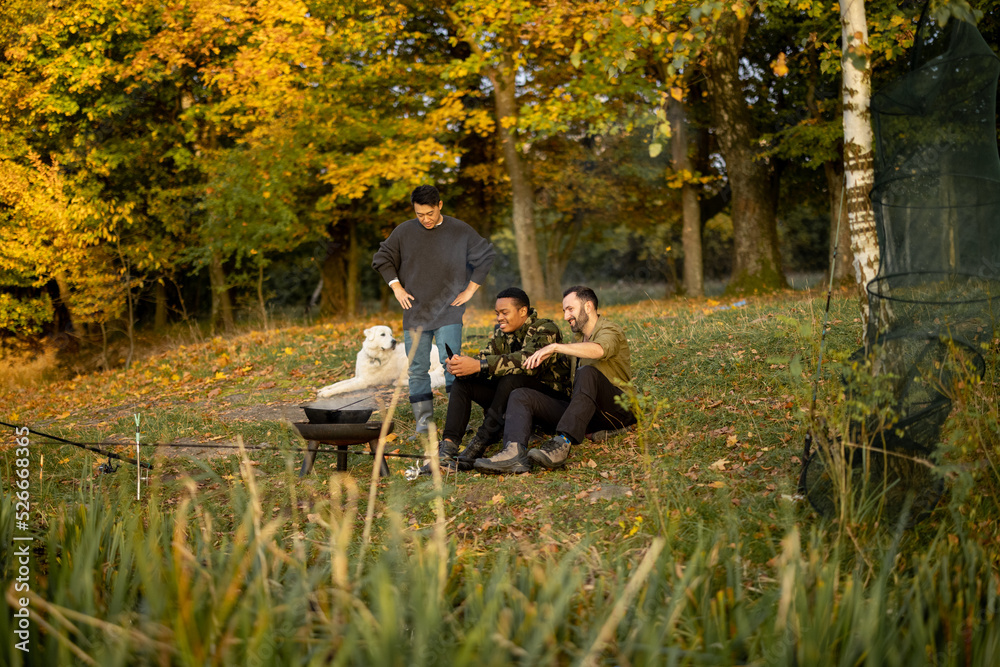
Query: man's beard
x=581 y=321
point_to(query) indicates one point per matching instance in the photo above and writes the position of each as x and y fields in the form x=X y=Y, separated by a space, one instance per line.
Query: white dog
x=381 y=361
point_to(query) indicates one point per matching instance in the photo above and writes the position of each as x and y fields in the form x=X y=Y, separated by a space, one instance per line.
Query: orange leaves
x=779 y=66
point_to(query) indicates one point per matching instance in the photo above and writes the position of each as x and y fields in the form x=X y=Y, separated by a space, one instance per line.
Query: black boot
x=476 y=448
x=447 y=450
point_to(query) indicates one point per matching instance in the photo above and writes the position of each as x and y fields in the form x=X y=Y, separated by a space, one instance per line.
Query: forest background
x=212 y=161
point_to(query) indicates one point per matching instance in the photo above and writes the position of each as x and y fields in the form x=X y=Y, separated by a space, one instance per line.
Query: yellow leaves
x=497 y=499
x=779 y=66
x=628 y=20
x=636 y=525
x=719 y=465
x=289 y=351
x=677 y=93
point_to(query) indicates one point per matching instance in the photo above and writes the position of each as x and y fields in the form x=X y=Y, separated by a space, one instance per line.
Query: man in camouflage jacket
x=489 y=378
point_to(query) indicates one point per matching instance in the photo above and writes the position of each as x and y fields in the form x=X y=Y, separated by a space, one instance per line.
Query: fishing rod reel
x=108 y=468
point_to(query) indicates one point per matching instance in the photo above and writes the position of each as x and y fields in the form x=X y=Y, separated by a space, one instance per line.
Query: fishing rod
x=93 y=447
x=248 y=448
x=822 y=341
x=81 y=445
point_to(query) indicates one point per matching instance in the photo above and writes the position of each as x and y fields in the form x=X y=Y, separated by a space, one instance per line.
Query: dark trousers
x=490 y=393
x=592 y=407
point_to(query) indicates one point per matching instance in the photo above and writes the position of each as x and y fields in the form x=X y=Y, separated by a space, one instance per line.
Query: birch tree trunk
x=859 y=166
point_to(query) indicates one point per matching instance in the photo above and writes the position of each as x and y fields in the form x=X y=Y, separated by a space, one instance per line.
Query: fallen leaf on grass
x=717 y=485
x=732 y=441
x=719 y=465
x=591 y=463
x=497 y=499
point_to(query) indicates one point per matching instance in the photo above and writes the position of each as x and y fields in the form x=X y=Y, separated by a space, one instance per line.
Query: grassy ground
x=683 y=541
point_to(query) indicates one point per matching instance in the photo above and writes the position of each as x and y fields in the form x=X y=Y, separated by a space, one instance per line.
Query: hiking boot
x=476 y=447
x=446 y=452
x=511 y=460
x=553 y=452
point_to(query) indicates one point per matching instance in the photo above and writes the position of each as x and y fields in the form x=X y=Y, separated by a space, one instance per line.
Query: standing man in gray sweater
x=434 y=263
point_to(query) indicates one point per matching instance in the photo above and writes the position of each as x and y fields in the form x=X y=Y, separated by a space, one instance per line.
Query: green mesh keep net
x=935 y=298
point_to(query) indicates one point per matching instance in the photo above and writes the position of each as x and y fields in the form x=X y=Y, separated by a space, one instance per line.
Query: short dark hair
x=583 y=293
x=426 y=195
x=519 y=296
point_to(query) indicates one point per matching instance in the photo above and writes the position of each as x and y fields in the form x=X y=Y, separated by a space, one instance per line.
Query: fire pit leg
x=309 y=458
x=383 y=470
x=342 y=458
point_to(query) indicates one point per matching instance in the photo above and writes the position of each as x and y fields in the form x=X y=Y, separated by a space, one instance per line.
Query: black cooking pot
x=330 y=412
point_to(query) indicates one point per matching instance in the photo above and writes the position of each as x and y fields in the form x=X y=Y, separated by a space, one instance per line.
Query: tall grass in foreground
x=112 y=589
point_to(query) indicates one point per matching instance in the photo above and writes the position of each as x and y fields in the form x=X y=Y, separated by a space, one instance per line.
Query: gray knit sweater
x=434 y=265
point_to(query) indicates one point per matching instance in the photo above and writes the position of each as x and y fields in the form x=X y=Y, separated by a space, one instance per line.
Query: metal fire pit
x=341 y=436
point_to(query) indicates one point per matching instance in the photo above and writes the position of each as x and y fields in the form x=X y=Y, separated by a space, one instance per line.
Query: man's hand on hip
x=404 y=298
x=466 y=294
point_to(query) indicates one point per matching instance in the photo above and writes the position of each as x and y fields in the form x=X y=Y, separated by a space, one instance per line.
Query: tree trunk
x=756 y=260
x=694 y=273
x=222 y=306
x=559 y=247
x=522 y=189
x=352 y=270
x=260 y=295
x=160 y=314
x=334 y=272
x=840 y=255
x=859 y=167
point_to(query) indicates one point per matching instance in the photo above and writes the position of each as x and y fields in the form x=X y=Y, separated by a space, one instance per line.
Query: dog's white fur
x=382 y=361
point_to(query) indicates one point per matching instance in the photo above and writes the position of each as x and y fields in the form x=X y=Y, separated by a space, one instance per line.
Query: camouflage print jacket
x=505 y=353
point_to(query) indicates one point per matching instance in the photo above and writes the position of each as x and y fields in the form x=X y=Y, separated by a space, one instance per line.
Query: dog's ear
x=369 y=333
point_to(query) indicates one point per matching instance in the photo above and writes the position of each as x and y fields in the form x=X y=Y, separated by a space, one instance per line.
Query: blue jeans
x=420 y=379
